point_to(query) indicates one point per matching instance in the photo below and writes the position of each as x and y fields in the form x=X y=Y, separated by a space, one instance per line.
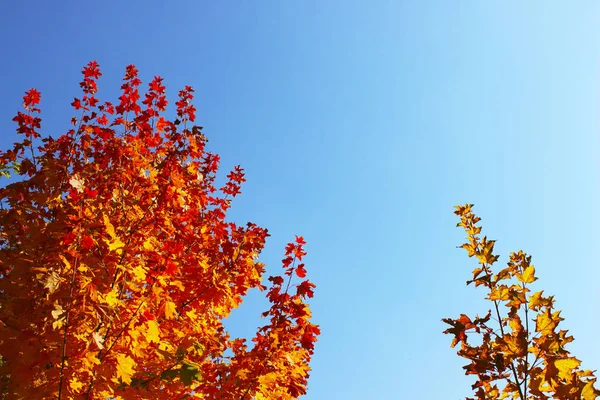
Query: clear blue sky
x=360 y=125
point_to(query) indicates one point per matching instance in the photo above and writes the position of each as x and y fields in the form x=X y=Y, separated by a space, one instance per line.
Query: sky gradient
x=360 y=125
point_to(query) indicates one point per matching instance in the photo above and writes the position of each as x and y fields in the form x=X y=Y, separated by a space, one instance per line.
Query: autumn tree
x=520 y=342
x=118 y=266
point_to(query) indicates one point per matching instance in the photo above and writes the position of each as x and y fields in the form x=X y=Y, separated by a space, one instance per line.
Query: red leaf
x=300 y=271
x=87 y=242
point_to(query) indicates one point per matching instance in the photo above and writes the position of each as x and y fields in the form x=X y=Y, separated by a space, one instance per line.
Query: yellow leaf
x=191 y=314
x=137 y=347
x=125 y=368
x=485 y=255
x=139 y=273
x=546 y=322
x=528 y=275
x=65 y=261
x=106 y=394
x=165 y=346
x=112 y=298
x=515 y=345
x=566 y=366
x=91 y=360
x=242 y=373
x=170 y=310
x=52 y=282
x=115 y=244
x=499 y=292
x=178 y=284
x=148 y=245
x=162 y=280
x=153 y=332
x=110 y=229
x=192 y=168
x=59 y=316
x=588 y=392
x=515 y=324
x=75 y=385
x=268 y=379
x=157 y=290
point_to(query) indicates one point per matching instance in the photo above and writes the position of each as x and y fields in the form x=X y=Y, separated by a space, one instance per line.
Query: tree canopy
x=521 y=344
x=118 y=265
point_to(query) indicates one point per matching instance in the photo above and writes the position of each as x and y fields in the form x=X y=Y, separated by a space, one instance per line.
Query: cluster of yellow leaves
x=117 y=266
x=532 y=363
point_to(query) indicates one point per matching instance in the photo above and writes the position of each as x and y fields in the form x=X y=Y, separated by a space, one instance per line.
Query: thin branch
x=527 y=336
x=512 y=365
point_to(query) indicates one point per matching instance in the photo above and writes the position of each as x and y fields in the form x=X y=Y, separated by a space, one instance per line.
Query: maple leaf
x=59 y=316
x=152 y=331
x=114 y=243
x=537 y=301
x=170 y=310
x=75 y=385
x=139 y=273
x=112 y=298
x=99 y=339
x=77 y=183
x=528 y=275
x=125 y=368
x=565 y=366
x=547 y=321
x=52 y=282
x=90 y=360
x=588 y=392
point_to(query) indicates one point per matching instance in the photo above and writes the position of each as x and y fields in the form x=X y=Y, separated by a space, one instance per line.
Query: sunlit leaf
x=528 y=275
x=170 y=310
x=125 y=368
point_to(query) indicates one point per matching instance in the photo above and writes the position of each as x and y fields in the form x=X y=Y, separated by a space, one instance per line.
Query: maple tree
x=118 y=267
x=526 y=350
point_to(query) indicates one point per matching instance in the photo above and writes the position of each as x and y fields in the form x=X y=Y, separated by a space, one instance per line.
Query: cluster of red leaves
x=117 y=266
x=527 y=350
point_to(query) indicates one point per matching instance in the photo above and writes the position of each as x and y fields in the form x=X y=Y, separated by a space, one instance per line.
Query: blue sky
x=360 y=125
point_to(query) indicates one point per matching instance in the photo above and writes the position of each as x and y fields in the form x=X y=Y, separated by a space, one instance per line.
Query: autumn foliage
x=521 y=344
x=118 y=266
